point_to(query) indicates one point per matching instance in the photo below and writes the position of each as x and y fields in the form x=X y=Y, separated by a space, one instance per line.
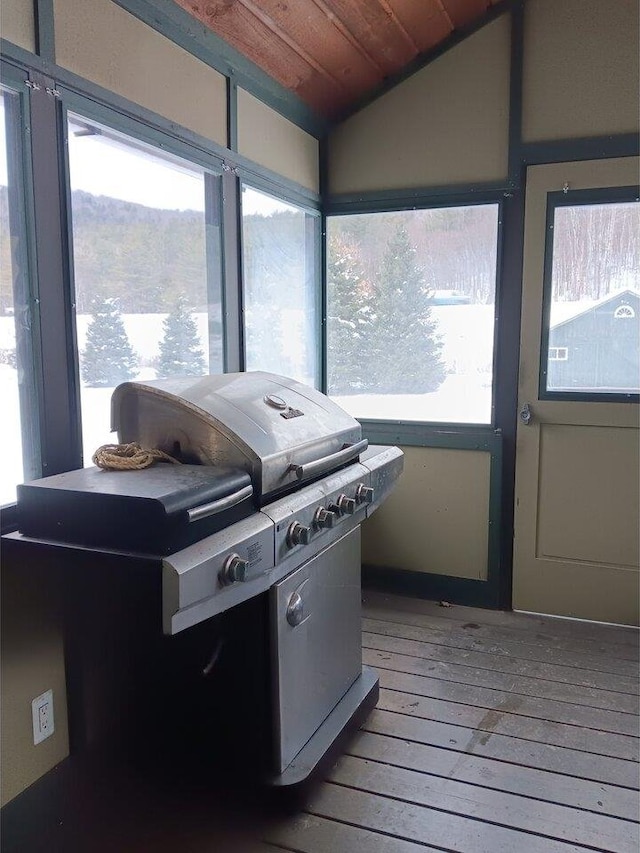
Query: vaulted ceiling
x=333 y=54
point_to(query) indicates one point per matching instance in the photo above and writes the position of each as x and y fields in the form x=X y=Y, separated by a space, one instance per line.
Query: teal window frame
x=378 y=426
x=26 y=297
x=555 y=200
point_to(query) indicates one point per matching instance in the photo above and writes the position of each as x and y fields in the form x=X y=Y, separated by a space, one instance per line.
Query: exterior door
x=576 y=537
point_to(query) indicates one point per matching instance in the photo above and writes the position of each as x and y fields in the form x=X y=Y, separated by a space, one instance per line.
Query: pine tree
x=349 y=321
x=108 y=357
x=406 y=348
x=180 y=353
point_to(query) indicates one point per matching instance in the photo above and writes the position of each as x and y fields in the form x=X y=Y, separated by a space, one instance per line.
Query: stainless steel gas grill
x=291 y=481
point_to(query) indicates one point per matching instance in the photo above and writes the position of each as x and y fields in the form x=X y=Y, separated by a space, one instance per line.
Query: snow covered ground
x=464 y=397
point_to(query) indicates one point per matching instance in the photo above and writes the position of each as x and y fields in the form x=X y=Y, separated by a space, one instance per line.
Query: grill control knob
x=346 y=505
x=233 y=569
x=364 y=494
x=323 y=518
x=298 y=534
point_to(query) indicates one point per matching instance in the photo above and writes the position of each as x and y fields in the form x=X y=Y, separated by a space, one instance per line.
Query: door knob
x=525 y=414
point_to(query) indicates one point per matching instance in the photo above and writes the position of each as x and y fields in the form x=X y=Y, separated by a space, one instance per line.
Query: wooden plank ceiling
x=333 y=54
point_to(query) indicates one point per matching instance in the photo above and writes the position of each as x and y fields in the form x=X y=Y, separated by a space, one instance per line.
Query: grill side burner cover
x=270 y=426
x=157 y=510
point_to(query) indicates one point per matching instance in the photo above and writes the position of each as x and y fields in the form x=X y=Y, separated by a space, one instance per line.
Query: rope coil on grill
x=129 y=457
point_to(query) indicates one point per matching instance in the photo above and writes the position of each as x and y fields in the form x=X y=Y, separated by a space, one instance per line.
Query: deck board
x=498 y=775
x=503 y=719
x=500 y=808
x=494 y=732
x=415 y=822
x=543 y=756
x=523 y=651
x=396 y=674
x=552 y=628
x=398 y=638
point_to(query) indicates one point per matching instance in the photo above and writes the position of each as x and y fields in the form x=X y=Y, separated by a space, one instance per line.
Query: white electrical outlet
x=42 y=714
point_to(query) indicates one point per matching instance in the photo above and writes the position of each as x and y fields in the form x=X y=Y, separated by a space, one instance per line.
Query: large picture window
x=19 y=422
x=147 y=268
x=410 y=313
x=591 y=342
x=280 y=272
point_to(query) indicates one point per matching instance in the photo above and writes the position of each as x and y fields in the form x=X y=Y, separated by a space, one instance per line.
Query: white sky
x=103 y=166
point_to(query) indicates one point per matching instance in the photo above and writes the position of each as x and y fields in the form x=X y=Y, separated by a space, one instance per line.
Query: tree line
x=143 y=256
x=108 y=357
x=595 y=246
x=382 y=272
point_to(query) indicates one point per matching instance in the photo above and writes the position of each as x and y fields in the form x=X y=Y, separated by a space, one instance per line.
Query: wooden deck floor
x=494 y=732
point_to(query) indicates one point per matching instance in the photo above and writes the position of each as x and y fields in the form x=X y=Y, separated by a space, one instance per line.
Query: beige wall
x=436 y=520
x=267 y=138
x=32 y=662
x=581 y=73
x=17 y=24
x=101 y=42
x=447 y=124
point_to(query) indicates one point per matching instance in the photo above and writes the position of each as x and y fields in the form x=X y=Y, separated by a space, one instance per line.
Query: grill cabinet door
x=317 y=645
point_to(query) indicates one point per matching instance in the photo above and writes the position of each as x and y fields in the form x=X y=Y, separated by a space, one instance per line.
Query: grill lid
x=278 y=430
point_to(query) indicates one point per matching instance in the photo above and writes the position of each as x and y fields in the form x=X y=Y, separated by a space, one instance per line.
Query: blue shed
x=598 y=349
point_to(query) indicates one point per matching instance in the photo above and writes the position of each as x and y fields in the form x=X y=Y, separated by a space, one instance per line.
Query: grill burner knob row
x=323 y=518
x=233 y=569
x=298 y=534
x=364 y=494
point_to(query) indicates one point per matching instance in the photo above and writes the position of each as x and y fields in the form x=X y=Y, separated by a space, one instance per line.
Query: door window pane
x=146 y=253
x=410 y=317
x=279 y=244
x=594 y=312
x=18 y=424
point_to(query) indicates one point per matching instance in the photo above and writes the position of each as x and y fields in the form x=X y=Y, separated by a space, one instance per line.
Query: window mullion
x=24 y=308
x=60 y=433
x=232 y=298
x=213 y=252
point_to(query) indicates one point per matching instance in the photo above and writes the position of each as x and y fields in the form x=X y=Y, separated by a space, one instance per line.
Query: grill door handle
x=214 y=507
x=327 y=463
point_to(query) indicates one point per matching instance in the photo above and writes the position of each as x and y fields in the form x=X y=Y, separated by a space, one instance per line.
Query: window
x=18 y=425
x=410 y=317
x=280 y=273
x=558 y=353
x=624 y=312
x=147 y=268
x=592 y=294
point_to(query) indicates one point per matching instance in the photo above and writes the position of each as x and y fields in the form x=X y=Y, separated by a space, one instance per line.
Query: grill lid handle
x=328 y=463
x=214 y=507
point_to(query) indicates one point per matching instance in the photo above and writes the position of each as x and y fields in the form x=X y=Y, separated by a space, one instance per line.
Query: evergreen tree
x=180 y=353
x=108 y=357
x=349 y=321
x=406 y=348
